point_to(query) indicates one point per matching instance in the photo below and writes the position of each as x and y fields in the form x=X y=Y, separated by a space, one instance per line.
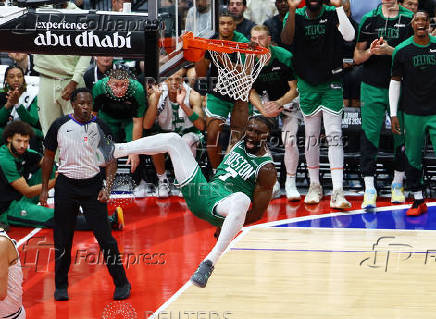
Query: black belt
x=15 y=315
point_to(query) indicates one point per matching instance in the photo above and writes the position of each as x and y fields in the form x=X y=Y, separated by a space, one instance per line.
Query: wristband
x=193 y=117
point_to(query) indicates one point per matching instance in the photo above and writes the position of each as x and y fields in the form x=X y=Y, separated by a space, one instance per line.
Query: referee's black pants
x=69 y=195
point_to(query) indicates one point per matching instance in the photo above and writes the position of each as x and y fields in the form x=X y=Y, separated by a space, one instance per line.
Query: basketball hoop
x=235 y=78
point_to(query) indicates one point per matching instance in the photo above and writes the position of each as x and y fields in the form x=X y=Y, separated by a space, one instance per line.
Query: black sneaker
x=117 y=219
x=105 y=151
x=122 y=292
x=61 y=294
x=200 y=277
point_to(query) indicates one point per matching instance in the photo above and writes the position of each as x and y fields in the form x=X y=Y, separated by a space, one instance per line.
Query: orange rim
x=223 y=46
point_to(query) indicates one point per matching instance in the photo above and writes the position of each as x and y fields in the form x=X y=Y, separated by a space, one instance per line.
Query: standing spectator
x=359 y=8
x=380 y=31
x=413 y=84
x=219 y=106
x=275 y=24
x=102 y=65
x=80 y=184
x=259 y=11
x=236 y=9
x=176 y=108
x=317 y=32
x=60 y=75
x=274 y=89
x=203 y=18
x=11 y=279
x=25 y=62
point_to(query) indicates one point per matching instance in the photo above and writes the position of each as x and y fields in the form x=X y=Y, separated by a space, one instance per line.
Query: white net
x=235 y=78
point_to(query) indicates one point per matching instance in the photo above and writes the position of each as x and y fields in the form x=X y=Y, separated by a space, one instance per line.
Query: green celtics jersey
x=317 y=46
x=416 y=65
x=238 y=170
x=377 y=69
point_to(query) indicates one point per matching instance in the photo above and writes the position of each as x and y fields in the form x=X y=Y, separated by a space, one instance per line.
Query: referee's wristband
x=193 y=117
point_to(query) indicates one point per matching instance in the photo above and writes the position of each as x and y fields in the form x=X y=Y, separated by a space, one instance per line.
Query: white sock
x=314 y=175
x=337 y=178
x=369 y=183
x=290 y=180
x=398 y=177
x=234 y=208
x=418 y=195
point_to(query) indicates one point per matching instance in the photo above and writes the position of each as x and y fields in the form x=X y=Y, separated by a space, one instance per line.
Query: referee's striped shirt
x=77 y=143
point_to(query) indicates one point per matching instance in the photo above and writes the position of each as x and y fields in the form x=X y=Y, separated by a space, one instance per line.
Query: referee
x=80 y=183
x=414 y=80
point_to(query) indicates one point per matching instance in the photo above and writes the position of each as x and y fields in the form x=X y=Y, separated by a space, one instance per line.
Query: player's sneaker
x=276 y=190
x=314 y=195
x=140 y=190
x=163 y=188
x=291 y=191
x=418 y=208
x=202 y=274
x=105 y=151
x=397 y=194
x=369 y=199
x=117 y=221
x=338 y=201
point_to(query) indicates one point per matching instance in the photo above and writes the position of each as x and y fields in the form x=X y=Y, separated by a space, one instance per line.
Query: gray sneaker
x=200 y=277
x=105 y=151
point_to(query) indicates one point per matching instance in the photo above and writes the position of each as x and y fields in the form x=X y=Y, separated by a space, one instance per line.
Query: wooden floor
x=299 y=261
x=319 y=273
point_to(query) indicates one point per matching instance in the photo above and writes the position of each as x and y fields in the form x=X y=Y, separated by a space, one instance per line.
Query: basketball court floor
x=299 y=261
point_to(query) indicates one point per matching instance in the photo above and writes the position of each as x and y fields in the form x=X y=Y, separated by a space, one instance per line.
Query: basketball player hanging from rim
x=380 y=31
x=218 y=106
x=317 y=32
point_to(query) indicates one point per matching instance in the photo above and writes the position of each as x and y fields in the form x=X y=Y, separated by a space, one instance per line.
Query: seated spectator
x=236 y=9
x=259 y=11
x=20 y=183
x=203 y=18
x=275 y=24
x=25 y=62
x=17 y=102
x=176 y=108
x=102 y=65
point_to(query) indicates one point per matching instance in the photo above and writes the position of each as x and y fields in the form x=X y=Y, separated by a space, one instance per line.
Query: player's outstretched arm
x=262 y=193
x=288 y=32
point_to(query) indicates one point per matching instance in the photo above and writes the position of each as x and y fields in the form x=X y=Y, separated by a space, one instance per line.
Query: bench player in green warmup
x=380 y=31
x=414 y=80
x=317 y=33
x=246 y=175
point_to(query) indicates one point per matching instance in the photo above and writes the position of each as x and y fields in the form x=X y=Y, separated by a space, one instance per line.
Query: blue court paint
x=389 y=219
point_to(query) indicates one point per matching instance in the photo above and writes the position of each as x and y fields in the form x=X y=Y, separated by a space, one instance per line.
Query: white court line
x=28 y=236
x=189 y=283
x=351 y=212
